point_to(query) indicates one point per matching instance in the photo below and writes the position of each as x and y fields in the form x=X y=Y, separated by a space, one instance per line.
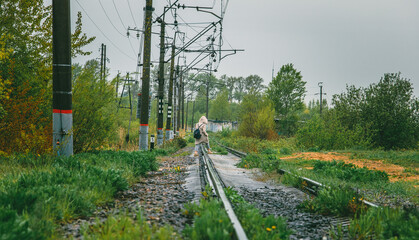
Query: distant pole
x=143 y=143
x=62 y=116
x=101 y=62
x=186 y=121
x=207 y=94
x=321 y=96
x=104 y=66
x=183 y=102
x=179 y=105
x=170 y=95
x=193 y=112
x=160 y=93
x=117 y=84
x=175 y=99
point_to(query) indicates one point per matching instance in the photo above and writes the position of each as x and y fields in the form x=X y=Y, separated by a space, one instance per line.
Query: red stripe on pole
x=159 y=128
x=144 y=125
x=62 y=111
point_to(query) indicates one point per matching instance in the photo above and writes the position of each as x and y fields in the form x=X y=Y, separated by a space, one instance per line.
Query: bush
x=329 y=134
x=334 y=201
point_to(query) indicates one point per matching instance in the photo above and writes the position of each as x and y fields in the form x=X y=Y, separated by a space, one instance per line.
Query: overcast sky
x=337 y=42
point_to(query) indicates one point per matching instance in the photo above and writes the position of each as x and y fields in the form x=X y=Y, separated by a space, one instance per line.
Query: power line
x=120 y=19
x=132 y=15
x=110 y=19
x=103 y=33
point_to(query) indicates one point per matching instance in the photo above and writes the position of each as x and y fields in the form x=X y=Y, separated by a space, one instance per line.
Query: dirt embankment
x=395 y=172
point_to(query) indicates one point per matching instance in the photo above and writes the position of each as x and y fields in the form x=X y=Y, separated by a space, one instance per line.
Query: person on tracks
x=202 y=125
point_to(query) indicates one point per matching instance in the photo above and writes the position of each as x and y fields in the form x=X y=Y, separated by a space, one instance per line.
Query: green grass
x=349 y=172
x=124 y=226
x=385 y=223
x=210 y=221
x=60 y=189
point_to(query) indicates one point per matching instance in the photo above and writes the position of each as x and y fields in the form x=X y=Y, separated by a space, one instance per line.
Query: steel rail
x=314 y=184
x=216 y=182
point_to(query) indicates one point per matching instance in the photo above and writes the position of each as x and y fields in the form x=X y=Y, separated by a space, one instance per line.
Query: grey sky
x=334 y=41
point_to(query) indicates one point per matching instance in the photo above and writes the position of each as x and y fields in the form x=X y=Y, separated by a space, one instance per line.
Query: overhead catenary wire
x=132 y=15
x=107 y=16
x=116 y=47
x=119 y=16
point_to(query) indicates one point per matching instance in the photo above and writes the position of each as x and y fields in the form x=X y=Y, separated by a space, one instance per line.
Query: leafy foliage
x=387 y=112
x=257 y=117
x=93 y=104
x=220 y=107
x=287 y=91
x=26 y=74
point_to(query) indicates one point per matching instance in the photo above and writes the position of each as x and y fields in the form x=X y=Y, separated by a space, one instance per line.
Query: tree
x=387 y=112
x=392 y=112
x=220 y=107
x=93 y=105
x=256 y=117
x=287 y=92
x=254 y=82
x=26 y=37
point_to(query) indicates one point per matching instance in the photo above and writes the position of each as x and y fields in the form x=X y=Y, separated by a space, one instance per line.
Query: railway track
x=312 y=188
x=213 y=179
x=269 y=199
x=312 y=185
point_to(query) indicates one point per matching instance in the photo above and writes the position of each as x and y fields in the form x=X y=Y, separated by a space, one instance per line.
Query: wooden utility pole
x=62 y=116
x=144 y=115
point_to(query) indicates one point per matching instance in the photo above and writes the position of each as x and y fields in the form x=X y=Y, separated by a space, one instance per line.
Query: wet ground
x=272 y=199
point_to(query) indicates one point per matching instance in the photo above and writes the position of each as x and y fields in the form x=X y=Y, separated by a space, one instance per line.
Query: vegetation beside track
x=37 y=193
x=349 y=185
x=210 y=221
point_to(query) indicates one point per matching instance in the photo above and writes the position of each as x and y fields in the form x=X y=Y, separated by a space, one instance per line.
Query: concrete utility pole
x=174 y=119
x=143 y=143
x=207 y=94
x=62 y=116
x=160 y=93
x=183 y=102
x=169 y=132
x=104 y=66
x=117 y=84
x=186 y=121
x=193 y=112
x=101 y=63
x=321 y=96
x=179 y=105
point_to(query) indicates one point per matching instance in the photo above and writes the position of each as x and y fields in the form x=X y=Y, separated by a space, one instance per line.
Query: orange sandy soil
x=395 y=172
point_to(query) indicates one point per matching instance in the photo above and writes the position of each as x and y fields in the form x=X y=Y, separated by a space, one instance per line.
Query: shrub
x=334 y=201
